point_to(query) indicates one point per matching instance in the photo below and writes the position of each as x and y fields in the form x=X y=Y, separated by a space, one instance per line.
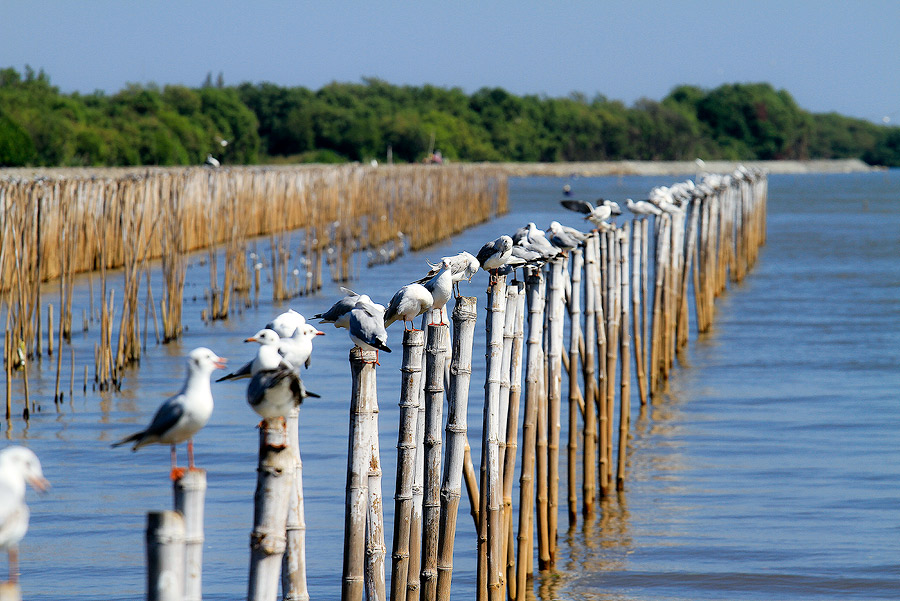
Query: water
x=768 y=472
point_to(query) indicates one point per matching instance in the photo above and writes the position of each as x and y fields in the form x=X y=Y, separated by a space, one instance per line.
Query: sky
x=829 y=55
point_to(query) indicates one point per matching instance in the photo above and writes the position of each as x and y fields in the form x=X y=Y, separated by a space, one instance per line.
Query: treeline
x=253 y=123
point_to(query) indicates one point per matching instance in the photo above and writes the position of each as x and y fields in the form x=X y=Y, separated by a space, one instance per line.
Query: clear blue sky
x=831 y=56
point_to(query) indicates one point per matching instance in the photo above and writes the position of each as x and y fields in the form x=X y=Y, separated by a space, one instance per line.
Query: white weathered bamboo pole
x=190 y=495
x=574 y=389
x=375 y=546
x=683 y=324
x=413 y=588
x=534 y=365
x=293 y=568
x=274 y=480
x=625 y=373
x=464 y=318
x=165 y=556
x=645 y=276
x=555 y=322
x=637 y=308
x=656 y=341
x=437 y=342
x=515 y=291
x=493 y=490
x=589 y=432
x=603 y=332
x=411 y=370
x=10 y=591
x=362 y=369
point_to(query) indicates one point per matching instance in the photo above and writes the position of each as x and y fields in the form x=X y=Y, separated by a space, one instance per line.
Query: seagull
x=18 y=465
x=441 y=289
x=535 y=240
x=463 y=266
x=367 y=329
x=183 y=415
x=339 y=313
x=408 y=303
x=264 y=337
x=285 y=323
x=495 y=254
x=596 y=215
x=561 y=238
x=274 y=391
x=614 y=207
x=297 y=349
x=642 y=208
x=211 y=161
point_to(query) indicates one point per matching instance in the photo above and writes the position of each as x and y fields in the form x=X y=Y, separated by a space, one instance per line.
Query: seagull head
x=264 y=337
x=205 y=360
x=22 y=462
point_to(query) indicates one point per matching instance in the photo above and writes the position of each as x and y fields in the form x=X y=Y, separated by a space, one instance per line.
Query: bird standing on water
x=18 y=465
x=184 y=414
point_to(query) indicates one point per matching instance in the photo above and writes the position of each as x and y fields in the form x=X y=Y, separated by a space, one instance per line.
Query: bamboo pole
x=10 y=591
x=574 y=388
x=411 y=370
x=375 y=546
x=190 y=493
x=637 y=307
x=275 y=475
x=165 y=556
x=625 y=373
x=413 y=588
x=556 y=314
x=362 y=369
x=534 y=365
x=435 y=354
x=464 y=317
x=293 y=568
x=591 y=389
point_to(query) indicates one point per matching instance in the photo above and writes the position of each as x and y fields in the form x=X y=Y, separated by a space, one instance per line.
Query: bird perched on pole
x=441 y=289
x=596 y=215
x=495 y=254
x=642 y=208
x=408 y=303
x=367 y=329
x=462 y=267
x=184 y=414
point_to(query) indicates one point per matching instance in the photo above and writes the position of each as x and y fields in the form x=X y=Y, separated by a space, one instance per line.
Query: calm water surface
x=769 y=471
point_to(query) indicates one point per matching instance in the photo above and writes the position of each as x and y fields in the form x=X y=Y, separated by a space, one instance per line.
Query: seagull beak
x=39 y=483
x=220 y=363
x=251 y=339
x=318 y=333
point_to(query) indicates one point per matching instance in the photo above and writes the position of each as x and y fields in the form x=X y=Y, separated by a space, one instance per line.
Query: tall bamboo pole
x=515 y=292
x=435 y=354
x=363 y=391
x=464 y=317
x=275 y=475
x=625 y=374
x=190 y=493
x=556 y=314
x=637 y=307
x=589 y=482
x=375 y=546
x=293 y=569
x=411 y=370
x=574 y=389
x=165 y=556
x=533 y=392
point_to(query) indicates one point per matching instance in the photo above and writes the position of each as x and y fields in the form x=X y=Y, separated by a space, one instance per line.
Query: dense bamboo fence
x=64 y=222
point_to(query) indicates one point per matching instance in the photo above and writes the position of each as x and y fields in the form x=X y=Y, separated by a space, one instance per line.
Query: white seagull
x=298 y=348
x=560 y=238
x=286 y=323
x=463 y=266
x=18 y=465
x=596 y=215
x=183 y=415
x=441 y=289
x=339 y=312
x=367 y=329
x=408 y=303
x=535 y=240
x=642 y=208
x=211 y=161
x=495 y=254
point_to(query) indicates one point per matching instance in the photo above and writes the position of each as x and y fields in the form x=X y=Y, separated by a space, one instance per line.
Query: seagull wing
x=579 y=206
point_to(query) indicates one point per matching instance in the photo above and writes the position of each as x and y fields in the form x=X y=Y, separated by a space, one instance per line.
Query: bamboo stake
x=533 y=392
x=555 y=312
x=637 y=307
x=591 y=393
x=625 y=374
x=435 y=353
x=464 y=317
x=375 y=546
x=413 y=588
x=362 y=369
x=190 y=493
x=574 y=389
x=411 y=370
x=293 y=568
x=275 y=476
x=165 y=556
x=515 y=292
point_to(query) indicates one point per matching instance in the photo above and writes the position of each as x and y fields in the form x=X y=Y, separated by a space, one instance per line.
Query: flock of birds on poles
x=286 y=343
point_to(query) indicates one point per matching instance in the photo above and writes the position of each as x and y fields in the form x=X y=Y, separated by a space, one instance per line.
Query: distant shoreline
x=582 y=169
x=597 y=169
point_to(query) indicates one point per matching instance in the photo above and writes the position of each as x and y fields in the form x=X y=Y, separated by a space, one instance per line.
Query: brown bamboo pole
x=411 y=370
x=435 y=354
x=683 y=325
x=516 y=292
x=413 y=588
x=574 y=388
x=533 y=392
x=464 y=317
x=556 y=315
x=625 y=373
x=375 y=545
x=656 y=341
x=190 y=496
x=362 y=370
x=275 y=475
x=165 y=556
x=589 y=433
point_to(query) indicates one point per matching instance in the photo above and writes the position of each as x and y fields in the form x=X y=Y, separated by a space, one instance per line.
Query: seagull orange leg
x=191 y=455
x=177 y=472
